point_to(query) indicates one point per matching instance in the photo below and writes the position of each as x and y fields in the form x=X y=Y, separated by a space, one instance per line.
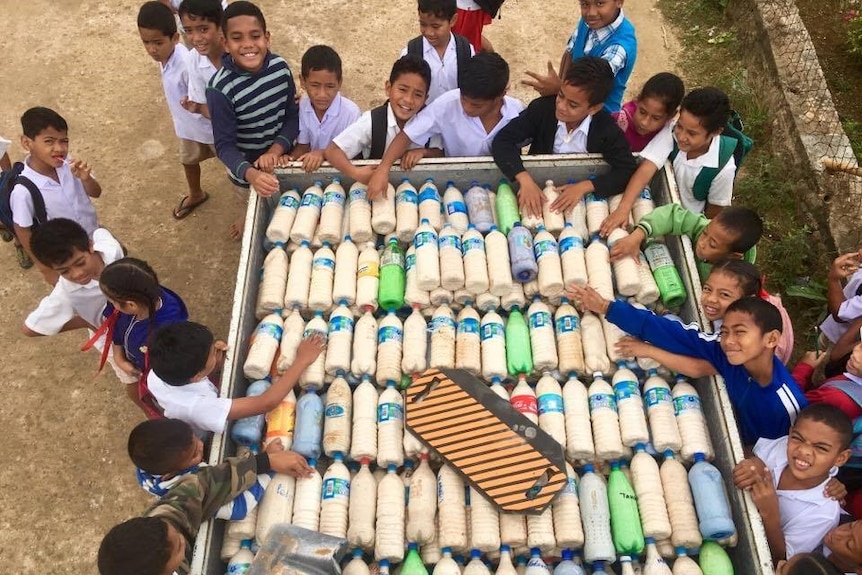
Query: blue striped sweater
x=251 y=112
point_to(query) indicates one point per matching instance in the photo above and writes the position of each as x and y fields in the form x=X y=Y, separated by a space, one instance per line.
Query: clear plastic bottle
x=540 y=531
x=422 y=504
x=499 y=266
x=475 y=262
x=390 y=342
x=383 y=212
x=579 y=433
x=276 y=505
x=264 y=347
x=593 y=338
x=314 y=374
x=493 y=343
x=567 y=566
x=568 y=527
x=684 y=565
x=425 y=243
x=479 y=207
x=654 y=564
x=443 y=332
x=240 y=563
x=413 y=296
x=390 y=293
x=691 y=421
x=599 y=275
x=390 y=426
x=662 y=421
x=270 y=297
x=362 y=507
x=554 y=221
x=505 y=565
x=630 y=406
x=368 y=277
x=605 y=420
x=535 y=565
x=451 y=259
x=524 y=266
x=456 y=209
x=542 y=345
x=356 y=566
x=572 y=257
x=625 y=269
x=680 y=508
x=570 y=349
x=446 y=565
x=280 y=422
x=335 y=498
x=339 y=342
x=429 y=204
x=278 y=230
x=360 y=213
x=515 y=298
x=406 y=210
x=306 y=502
x=597 y=211
x=415 y=349
x=344 y=281
x=550 y=404
x=451 y=509
x=332 y=212
x=468 y=355
x=475 y=565
x=364 y=430
x=651 y=501
x=484 y=523
x=337 y=417
x=550 y=274
x=308 y=214
x=596 y=516
x=389 y=541
x=249 y=430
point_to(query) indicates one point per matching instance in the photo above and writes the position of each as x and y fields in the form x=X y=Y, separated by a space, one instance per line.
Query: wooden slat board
x=497 y=450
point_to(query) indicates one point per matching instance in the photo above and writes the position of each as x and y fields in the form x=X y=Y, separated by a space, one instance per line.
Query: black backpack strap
x=379 y=126
x=40 y=214
x=414 y=47
x=462 y=54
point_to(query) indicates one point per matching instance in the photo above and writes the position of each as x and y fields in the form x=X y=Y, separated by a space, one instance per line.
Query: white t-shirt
x=685 y=171
x=175 y=81
x=198 y=403
x=467 y=5
x=461 y=135
x=69 y=299
x=356 y=138
x=319 y=133
x=200 y=72
x=807 y=515
x=850 y=309
x=65 y=198
x=444 y=71
x=574 y=142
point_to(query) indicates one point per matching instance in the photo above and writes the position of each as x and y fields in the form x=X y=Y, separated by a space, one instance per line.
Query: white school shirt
x=200 y=72
x=685 y=171
x=175 y=81
x=444 y=71
x=461 y=134
x=850 y=309
x=469 y=5
x=4 y=146
x=64 y=198
x=319 y=133
x=356 y=138
x=574 y=142
x=69 y=299
x=807 y=515
x=198 y=403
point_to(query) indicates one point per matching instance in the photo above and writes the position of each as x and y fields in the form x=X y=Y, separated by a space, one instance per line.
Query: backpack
x=378 y=131
x=8 y=181
x=492 y=7
x=462 y=52
x=733 y=143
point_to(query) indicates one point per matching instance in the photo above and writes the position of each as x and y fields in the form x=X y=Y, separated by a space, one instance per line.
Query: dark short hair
x=139 y=546
x=746 y=273
x=665 y=87
x=157 y=446
x=209 y=10
x=131 y=279
x=812 y=564
x=742 y=222
x=37 y=119
x=56 y=241
x=833 y=417
x=321 y=57
x=154 y=15
x=764 y=315
x=485 y=76
x=710 y=105
x=592 y=75
x=242 y=8
x=409 y=64
x=179 y=351
x=444 y=9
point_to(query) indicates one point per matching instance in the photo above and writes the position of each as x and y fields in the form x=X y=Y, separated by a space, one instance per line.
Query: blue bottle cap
x=516 y=225
x=391 y=468
x=668 y=453
x=326 y=245
x=445 y=550
x=475 y=554
x=535 y=552
x=245 y=543
x=563 y=300
x=384 y=563
x=567 y=554
x=337 y=456
x=680 y=551
x=450 y=184
x=318 y=183
x=312 y=462
x=347 y=238
x=408 y=464
x=505 y=549
x=493 y=228
x=357 y=553
x=471 y=227
x=615 y=464
x=412 y=546
x=521 y=560
x=424 y=221
x=698 y=457
x=588 y=468
x=640 y=447
x=305 y=243
x=336 y=180
x=390 y=383
x=342 y=302
x=567 y=225
x=651 y=372
x=648 y=540
x=496 y=379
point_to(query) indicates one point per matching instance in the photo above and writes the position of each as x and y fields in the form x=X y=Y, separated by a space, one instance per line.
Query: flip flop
x=183 y=210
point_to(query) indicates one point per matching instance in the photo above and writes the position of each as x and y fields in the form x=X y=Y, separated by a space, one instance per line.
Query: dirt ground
x=65 y=477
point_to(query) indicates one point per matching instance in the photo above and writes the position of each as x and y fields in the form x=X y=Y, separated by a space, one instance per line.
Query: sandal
x=183 y=210
x=23 y=259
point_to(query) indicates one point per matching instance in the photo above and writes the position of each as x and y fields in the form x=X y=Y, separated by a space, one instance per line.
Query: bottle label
x=441 y=322
x=544 y=247
x=422 y=238
x=450 y=241
x=540 y=319
x=456 y=208
x=571 y=242
x=537 y=564
x=288 y=201
x=238 y=568
x=407 y=196
x=336 y=488
x=571 y=486
x=468 y=325
x=492 y=330
x=368 y=270
x=602 y=401
x=358 y=195
x=272 y=330
x=567 y=323
x=685 y=403
x=589 y=198
x=392 y=257
x=323 y=263
x=525 y=404
x=658 y=256
x=645 y=194
x=333 y=411
x=657 y=395
x=524 y=241
x=332 y=197
x=341 y=323
x=472 y=244
x=312 y=200
x=625 y=390
x=389 y=412
x=388 y=333
x=410 y=261
x=550 y=403
x=427 y=193
x=309 y=332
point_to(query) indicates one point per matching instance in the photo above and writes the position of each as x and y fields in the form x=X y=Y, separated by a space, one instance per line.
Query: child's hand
x=835 y=490
x=290 y=463
x=544 y=85
x=587 y=298
x=764 y=495
x=411 y=158
x=264 y=184
x=747 y=472
x=311 y=161
x=619 y=218
x=267 y=162
x=845 y=265
x=128 y=367
x=570 y=195
x=274 y=446
x=80 y=169
x=530 y=197
x=629 y=246
x=629 y=346
x=309 y=349
x=378 y=184
x=813 y=358
x=190 y=105
x=363 y=174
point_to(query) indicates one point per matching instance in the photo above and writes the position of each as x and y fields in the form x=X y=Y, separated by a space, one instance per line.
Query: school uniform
x=471 y=20
x=849 y=310
x=460 y=134
x=317 y=134
x=198 y=403
x=539 y=126
x=842 y=391
x=444 y=71
x=192 y=129
x=626 y=121
x=357 y=138
x=201 y=69
x=4 y=145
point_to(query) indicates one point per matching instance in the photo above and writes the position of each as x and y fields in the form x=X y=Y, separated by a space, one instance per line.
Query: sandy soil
x=66 y=478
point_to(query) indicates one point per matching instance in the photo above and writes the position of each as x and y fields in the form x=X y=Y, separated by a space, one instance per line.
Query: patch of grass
x=853 y=129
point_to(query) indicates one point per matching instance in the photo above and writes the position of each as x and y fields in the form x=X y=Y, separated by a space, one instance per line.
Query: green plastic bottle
x=626 y=527
x=390 y=293
x=507 y=207
x=714 y=559
x=666 y=276
x=413 y=562
x=519 y=355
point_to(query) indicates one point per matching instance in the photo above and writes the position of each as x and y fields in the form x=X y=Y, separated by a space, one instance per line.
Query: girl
x=139 y=305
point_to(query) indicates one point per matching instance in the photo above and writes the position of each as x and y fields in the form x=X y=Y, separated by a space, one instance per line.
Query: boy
x=323 y=112
x=732 y=233
x=444 y=51
x=252 y=102
x=66 y=185
x=703 y=162
x=786 y=478
x=764 y=395
x=201 y=20
x=466 y=119
x=368 y=137
x=162 y=540
x=571 y=122
x=602 y=31
x=845 y=309
x=182 y=356
x=158 y=31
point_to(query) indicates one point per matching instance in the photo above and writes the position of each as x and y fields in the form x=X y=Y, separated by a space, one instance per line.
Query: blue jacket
x=623 y=36
x=762 y=411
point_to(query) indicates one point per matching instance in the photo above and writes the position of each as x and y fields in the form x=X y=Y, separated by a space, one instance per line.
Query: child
x=643 y=118
x=162 y=540
x=183 y=354
x=201 y=20
x=786 y=478
x=702 y=157
x=138 y=305
x=167 y=450
x=323 y=112
x=445 y=52
x=602 y=31
x=807 y=564
x=843 y=391
x=466 y=119
x=470 y=19
x=845 y=309
x=571 y=122
x=158 y=31
x=733 y=233
x=368 y=137
x=66 y=185
x=252 y=102
x=764 y=395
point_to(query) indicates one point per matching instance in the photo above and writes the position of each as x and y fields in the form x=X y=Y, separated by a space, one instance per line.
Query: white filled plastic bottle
x=367 y=276
x=613 y=334
x=276 y=505
x=691 y=421
x=337 y=417
x=442 y=296
x=356 y=566
x=625 y=269
x=456 y=209
x=278 y=230
x=340 y=340
x=415 y=349
x=264 y=347
x=346 y=263
x=484 y=523
x=475 y=565
x=499 y=267
x=364 y=344
x=241 y=561
x=505 y=566
x=547 y=253
x=646 y=480
x=570 y=349
x=552 y=419
x=298 y=278
x=535 y=565
x=383 y=216
x=362 y=508
x=605 y=420
x=451 y=509
x=540 y=531
x=643 y=204
x=554 y=221
x=270 y=297
x=475 y=262
x=322 y=274
x=685 y=565
x=524 y=400
x=654 y=563
x=451 y=259
x=597 y=212
x=662 y=421
x=630 y=406
x=306 y=502
x=308 y=213
x=479 y=207
x=568 y=529
x=429 y=204
x=425 y=244
x=572 y=257
x=413 y=296
x=515 y=298
x=593 y=338
x=599 y=275
x=422 y=504
x=577 y=217
x=579 y=433
x=360 y=214
x=335 y=497
x=443 y=331
x=541 y=325
x=406 y=211
x=596 y=517
x=389 y=541
x=493 y=343
x=446 y=565
x=685 y=531
x=390 y=341
x=332 y=212
x=315 y=374
x=364 y=431
x=648 y=293
x=291 y=335
x=468 y=352
x=390 y=426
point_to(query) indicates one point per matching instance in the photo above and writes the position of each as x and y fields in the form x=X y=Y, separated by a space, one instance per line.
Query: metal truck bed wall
x=751 y=554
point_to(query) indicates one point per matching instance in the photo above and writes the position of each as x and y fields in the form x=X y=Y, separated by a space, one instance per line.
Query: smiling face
x=407 y=96
x=600 y=13
x=321 y=86
x=573 y=106
x=480 y=108
x=435 y=29
x=845 y=542
x=742 y=340
x=650 y=115
x=82 y=267
x=158 y=46
x=714 y=243
x=691 y=137
x=48 y=150
x=719 y=291
x=204 y=35
x=246 y=42
x=813 y=448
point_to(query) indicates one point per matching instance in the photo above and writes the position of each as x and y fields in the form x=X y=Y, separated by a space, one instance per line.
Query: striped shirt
x=251 y=112
x=614 y=53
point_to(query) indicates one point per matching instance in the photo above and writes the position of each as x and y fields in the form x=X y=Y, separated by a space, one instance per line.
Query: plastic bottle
x=643 y=204
x=596 y=516
x=519 y=357
x=390 y=293
x=241 y=562
x=597 y=211
x=309 y=424
x=264 y=346
x=524 y=266
x=335 y=498
x=541 y=329
x=383 y=212
x=685 y=565
x=456 y=209
x=714 y=559
x=613 y=334
x=535 y=565
x=593 y=339
x=364 y=345
x=422 y=504
x=524 y=400
x=389 y=542
x=356 y=566
x=554 y=221
x=630 y=406
x=570 y=351
x=479 y=207
x=666 y=275
x=451 y=262
x=662 y=421
x=339 y=340
x=413 y=562
x=413 y=296
x=691 y=421
x=362 y=507
x=579 y=434
x=308 y=213
x=425 y=242
x=515 y=298
x=484 y=523
x=626 y=567
x=493 y=345
x=415 y=348
x=599 y=275
x=625 y=518
x=278 y=230
x=507 y=207
x=499 y=265
x=344 y=282
x=406 y=211
x=625 y=269
x=364 y=430
x=442 y=296
x=550 y=405
x=390 y=336
x=451 y=509
x=650 y=495
x=337 y=417
x=654 y=564
x=467 y=341
x=276 y=505
x=280 y=421
x=390 y=426
x=368 y=277
x=306 y=502
x=568 y=528
x=475 y=262
x=567 y=566
x=443 y=331
x=429 y=204
x=605 y=420
x=710 y=500
x=680 y=507
x=314 y=374
x=270 y=297
x=446 y=565
x=505 y=565
x=360 y=213
x=249 y=430
x=572 y=257
x=475 y=565
x=332 y=212
x=550 y=272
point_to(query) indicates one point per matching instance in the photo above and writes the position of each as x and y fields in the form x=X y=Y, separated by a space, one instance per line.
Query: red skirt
x=469 y=24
